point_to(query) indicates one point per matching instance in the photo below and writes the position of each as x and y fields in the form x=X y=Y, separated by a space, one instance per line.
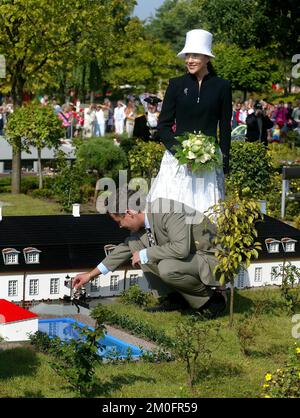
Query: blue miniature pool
x=63 y=328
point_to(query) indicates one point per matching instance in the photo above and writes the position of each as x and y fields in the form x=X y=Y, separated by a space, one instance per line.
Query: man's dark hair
x=125 y=199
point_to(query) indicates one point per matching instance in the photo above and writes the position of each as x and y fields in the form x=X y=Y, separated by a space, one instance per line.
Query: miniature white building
x=16 y=324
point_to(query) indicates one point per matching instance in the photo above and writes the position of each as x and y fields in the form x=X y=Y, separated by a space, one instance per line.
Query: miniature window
x=34 y=287
x=290 y=247
x=274 y=273
x=54 y=286
x=10 y=256
x=133 y=279
x=12 y=288
x=31 y=255
x=258 y=274
x=274 y=247
x=114 y=282
x=240 y=281
x=95 y=284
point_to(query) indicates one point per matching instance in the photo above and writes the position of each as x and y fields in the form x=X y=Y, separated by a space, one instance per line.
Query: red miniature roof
x=9 y=312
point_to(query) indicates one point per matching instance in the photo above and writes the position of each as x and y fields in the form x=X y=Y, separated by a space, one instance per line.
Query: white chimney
x=0 y=213
x=76 y=210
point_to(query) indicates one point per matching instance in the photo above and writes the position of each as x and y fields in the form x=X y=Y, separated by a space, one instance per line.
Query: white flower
x=204 y=158
x=191 y=155
x=198 y=142
x=185 y=144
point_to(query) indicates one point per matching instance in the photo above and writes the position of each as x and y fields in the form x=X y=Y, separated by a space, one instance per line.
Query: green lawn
x=26 y=373
x=24 y=205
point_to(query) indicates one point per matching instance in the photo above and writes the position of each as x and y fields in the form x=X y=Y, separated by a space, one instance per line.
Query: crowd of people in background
x=138 y=116
x=275 y=119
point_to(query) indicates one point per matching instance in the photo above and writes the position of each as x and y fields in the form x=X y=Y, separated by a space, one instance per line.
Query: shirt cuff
x=102 y=268
x=143 y=256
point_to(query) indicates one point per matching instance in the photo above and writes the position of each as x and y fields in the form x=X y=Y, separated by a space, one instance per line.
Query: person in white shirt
x=99 y=121
x=119 y=117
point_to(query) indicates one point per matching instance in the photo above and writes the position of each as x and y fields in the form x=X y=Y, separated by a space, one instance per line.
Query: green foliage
x=136 y=296
x=284 y=154
x=67 y=182
x=285 y=382
x=141 y=328
x=250 y=168
x=102 y=156
x=248 y=69
x=74 y=360
x=192 y=345
x=236 y=219
x=145 y=158
x=135 y=62
x=290 y=287
x=247 y=325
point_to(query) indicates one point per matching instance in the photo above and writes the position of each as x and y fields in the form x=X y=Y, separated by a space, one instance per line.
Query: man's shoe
x=213 y=307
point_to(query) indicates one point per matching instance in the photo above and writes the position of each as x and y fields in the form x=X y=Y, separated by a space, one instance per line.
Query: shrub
x=42 y=193
x=144 y=159
x=250 y=168
x=285 y=382
x=136 y=296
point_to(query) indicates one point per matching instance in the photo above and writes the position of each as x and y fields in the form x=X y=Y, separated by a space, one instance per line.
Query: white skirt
x=198 y=191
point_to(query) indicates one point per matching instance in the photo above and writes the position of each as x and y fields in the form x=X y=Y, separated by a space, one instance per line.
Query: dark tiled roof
x=66 y=242
x=73 y=243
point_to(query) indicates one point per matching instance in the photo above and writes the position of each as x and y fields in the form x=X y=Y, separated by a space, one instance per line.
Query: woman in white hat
x=196 y=101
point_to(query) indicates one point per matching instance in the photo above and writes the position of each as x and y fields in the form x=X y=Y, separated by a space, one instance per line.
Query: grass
x=26 y=373
x=23 y=205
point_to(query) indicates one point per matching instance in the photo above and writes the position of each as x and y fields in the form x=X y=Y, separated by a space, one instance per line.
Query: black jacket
x=195 y=111
x=253 y=128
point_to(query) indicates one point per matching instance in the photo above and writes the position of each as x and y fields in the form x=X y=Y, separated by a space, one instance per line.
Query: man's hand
x=135 y=261
x=80 y=280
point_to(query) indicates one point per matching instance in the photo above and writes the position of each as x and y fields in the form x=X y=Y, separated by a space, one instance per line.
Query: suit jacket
x=175 y=238
x=195 y=110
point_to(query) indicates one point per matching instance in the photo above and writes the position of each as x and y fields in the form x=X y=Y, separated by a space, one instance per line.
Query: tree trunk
x=245 y=95
x=231 y=304
x=16 y=170
x=17 y=95
x=39 y=152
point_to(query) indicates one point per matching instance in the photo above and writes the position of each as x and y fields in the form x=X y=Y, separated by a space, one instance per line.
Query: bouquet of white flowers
x=198 y=151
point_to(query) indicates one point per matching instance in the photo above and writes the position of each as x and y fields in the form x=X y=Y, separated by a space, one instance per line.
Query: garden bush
x=136 y=296
x=250 y=167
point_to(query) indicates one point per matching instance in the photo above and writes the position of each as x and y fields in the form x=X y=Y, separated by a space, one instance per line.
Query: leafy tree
x=41 y=39
x=248 y=69
x=35 y=125
x=174 y=18
x=135 y=63
x=236 y=219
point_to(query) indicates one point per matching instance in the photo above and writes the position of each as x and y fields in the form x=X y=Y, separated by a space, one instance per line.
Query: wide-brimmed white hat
x=198 y=41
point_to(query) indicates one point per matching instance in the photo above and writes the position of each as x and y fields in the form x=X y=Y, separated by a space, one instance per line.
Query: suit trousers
x=174 y=274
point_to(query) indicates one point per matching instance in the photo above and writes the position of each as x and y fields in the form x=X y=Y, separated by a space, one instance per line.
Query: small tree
x=144 y=159
x=236 y=219
x=34 y=125
x=102 y=157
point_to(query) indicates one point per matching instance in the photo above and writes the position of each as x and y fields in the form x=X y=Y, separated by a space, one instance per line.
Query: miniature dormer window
x=272 y=245
x=108 y=248
x=10 y=256
x=288 y=245
x=31 y=255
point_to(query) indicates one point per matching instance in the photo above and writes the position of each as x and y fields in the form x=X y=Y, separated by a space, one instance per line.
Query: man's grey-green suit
x=183 y=257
